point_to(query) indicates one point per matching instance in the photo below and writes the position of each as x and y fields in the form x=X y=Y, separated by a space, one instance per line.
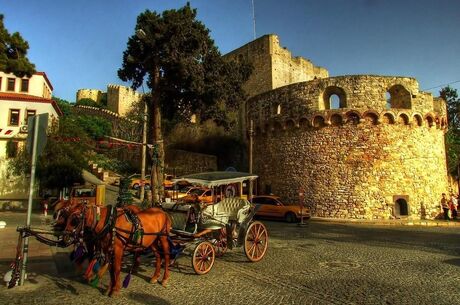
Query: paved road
x=322 y=263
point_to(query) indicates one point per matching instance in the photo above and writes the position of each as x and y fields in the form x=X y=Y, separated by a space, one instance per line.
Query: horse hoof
x=164 y=283
x=153 y=280
x=113 y=294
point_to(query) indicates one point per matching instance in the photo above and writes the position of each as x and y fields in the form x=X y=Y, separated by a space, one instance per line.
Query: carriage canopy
x=218 y=178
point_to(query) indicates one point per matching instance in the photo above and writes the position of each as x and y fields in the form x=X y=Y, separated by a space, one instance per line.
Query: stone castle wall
x=94 y=94
x=357 y=160
x=120 y=98
x=274 y=66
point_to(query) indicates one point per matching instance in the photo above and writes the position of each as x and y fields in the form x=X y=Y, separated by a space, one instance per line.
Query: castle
x=359 y=146
x=119 y=98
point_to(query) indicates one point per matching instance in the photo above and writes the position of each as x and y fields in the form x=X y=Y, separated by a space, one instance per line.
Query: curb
x=395 y=222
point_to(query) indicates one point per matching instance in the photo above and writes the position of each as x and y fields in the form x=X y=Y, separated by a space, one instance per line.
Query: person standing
x=453 y=206
x=445 y=206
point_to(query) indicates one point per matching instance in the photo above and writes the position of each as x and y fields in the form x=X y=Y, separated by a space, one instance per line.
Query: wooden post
x=251 y=135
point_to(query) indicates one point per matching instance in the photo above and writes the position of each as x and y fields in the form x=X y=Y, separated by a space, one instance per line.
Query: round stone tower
x=366 y=147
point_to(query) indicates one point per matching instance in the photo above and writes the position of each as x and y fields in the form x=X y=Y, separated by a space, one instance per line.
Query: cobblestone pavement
x=321 y=263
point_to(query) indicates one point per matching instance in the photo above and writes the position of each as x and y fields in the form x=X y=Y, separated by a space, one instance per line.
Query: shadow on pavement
x=145 y=298
x=432 y=239
x=453 y=261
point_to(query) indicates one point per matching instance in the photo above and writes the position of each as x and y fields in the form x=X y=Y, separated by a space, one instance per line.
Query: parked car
x=136 y=182
x=178 y=191
x=200 y=194
x=274 y=207
x=167 y=182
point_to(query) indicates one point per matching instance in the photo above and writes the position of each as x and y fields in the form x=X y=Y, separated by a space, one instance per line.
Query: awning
x=210 y=179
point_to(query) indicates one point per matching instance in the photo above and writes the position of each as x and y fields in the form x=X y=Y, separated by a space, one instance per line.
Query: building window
x=14 y=117
x=334 y=98
x=398 y=97
x=24 y=85
x=29 y=113
x=10 y=86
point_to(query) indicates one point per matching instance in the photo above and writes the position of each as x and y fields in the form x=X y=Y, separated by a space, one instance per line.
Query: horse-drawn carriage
x=208 y=230
x=203 y=230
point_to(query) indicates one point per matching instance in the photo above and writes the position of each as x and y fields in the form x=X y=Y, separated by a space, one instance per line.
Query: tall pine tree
x=174 y=54
x=13 y=53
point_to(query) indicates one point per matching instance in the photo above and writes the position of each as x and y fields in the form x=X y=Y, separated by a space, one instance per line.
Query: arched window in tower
x=334 y=102
x=334 y=98
x=398 y=97
x=278 y=109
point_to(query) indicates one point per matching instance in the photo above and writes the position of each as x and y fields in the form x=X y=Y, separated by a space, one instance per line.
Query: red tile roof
x=9 y=96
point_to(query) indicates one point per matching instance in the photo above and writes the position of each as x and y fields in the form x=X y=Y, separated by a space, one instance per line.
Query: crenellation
x=274 y=66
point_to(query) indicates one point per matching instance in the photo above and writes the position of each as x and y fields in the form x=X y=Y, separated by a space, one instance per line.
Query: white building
x=19 y=99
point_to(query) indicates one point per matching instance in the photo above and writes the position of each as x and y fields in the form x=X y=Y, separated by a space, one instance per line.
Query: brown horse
x=65 y=208
x=155 y=224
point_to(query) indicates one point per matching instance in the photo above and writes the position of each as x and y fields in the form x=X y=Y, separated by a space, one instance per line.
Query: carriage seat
x=228 y=207
x=179 y=214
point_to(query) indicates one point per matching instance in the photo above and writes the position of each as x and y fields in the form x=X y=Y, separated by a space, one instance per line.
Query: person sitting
x=445 y=206
x=453 y=206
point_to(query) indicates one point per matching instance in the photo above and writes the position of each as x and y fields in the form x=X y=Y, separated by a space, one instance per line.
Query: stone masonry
x=378 y=152
x=274 y=66
x=119 y=98
x=93 y=94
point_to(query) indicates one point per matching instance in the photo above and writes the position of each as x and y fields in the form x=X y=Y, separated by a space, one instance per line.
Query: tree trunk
x=157 y=172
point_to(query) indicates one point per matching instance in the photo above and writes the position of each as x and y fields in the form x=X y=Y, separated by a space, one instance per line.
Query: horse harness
x=137 y=233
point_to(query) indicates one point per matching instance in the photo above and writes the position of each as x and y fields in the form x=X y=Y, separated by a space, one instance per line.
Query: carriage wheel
x=221 y=242
x=256 y=241
x=203 y=257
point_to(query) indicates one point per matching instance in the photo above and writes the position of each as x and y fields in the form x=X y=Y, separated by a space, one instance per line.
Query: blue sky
x=79 y=43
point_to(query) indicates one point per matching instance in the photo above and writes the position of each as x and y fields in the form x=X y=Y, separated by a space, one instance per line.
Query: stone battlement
x=362 y=92
x=274 y=66
x=120 y=99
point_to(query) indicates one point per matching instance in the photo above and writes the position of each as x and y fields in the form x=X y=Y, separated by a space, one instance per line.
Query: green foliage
x=112 y=164
x=13 y=53
x=64 y=157
x=450 y=95
x=11 y=149
x=95 y=127
x=89 y=102
x=60 y=174
x=65 y=106
x=193 y=77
